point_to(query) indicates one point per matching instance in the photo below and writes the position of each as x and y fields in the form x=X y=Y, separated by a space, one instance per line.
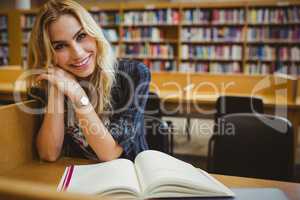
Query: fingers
x=48 y=77
x=63 y=80
x=60 y=72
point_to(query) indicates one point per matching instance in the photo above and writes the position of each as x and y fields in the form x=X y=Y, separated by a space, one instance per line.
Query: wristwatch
x=84 y=101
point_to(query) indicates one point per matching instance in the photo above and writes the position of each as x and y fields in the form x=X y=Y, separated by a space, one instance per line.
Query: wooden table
x=50 y=174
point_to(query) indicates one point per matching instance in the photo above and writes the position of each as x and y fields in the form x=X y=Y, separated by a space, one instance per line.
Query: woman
x=94 y=102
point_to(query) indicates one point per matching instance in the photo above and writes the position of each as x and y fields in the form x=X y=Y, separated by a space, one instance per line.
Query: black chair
x=158 y=132
x=254 y=145
x=233 y=104
x=238 y=104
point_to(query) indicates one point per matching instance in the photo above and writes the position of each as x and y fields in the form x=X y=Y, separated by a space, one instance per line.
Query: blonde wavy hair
x=41 y=52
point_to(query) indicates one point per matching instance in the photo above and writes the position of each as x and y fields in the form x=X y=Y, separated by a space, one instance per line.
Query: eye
x=81 y=36
x=59 y=46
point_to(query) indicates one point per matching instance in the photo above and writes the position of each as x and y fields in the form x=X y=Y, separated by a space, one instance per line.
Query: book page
x=159 y=172
x=117 y=176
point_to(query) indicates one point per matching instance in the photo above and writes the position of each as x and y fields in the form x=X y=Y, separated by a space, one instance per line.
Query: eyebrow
x=75 y=35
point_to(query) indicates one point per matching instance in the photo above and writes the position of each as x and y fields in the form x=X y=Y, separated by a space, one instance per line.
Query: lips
x=83 y=63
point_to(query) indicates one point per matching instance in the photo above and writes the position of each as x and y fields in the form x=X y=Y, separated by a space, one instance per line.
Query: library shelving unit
x=246 y=37
x=273 y=39
x=4 y=43
x=150 y=33
x=108 y=17
x=212 y=38
x=27 y=19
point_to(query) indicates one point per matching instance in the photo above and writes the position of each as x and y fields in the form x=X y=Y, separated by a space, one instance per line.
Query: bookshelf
x=273 y=40
x=212 y=39
x=26 y=22
x=109 y=19
x=4 y=40
x=150 y=34
x=230 y=37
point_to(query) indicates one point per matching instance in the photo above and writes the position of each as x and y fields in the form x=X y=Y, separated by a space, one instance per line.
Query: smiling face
x=75 y=50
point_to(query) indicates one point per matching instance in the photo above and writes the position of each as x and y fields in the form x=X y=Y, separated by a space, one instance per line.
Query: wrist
x=81 y=101
x=76 y=95
x=55 y=102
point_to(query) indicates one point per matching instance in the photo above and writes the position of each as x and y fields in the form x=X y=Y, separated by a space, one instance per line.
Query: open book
x=152 y=175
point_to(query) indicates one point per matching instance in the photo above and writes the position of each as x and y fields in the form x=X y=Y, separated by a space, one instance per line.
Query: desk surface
x=50 y=173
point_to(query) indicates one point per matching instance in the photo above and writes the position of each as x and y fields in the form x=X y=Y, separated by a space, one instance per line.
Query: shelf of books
x=4 y=43
x=27 y=21
x=273 y=40
x=109 y=20
x=212 y=39
x=196 y=37
x=150 y=34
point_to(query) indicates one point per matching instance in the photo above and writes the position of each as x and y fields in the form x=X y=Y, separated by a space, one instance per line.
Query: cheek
x=91 y=44
x=61 y=59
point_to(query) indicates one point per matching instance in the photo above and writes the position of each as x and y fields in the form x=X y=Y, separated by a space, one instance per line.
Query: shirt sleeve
x=127 y=122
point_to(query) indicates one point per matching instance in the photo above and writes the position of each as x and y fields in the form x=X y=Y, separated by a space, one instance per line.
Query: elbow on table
x=49 y=156
x=108 y=158
x=112 y=156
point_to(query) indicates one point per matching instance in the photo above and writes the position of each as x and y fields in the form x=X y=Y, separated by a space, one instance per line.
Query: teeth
x=82 y=62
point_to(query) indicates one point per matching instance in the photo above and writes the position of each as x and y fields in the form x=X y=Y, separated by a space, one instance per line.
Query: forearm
x=96 y=134
x=51 y=134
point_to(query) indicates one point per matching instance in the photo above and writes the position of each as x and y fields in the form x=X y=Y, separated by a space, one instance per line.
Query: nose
x=77 y=51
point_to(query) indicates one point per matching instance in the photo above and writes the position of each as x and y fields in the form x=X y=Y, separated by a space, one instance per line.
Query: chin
x=85 y=73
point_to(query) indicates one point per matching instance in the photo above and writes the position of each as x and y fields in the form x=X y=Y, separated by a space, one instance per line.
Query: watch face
x=84 y=101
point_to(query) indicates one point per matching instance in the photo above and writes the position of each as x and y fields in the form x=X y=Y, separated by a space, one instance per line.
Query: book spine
x=67 y=178
x=4 y=40
x=205 y=52
x=152 y=17
x=104 y=18
x=152 y=34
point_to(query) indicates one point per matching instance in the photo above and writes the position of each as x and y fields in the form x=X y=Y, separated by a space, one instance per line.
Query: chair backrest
x=238 y=104
x=254 y=145
x=229 y=105
x=156 y=129
x=18 y=129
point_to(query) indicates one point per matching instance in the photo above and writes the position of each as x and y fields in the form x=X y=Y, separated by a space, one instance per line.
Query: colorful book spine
x=196 y=16
x=106 y=18
x=159 y=51
x=225 y=68
x=151 y=17
x=228 y=16
x=273 y=34
x=143 y=34
x=3 y=55
x=3 y=37
x=211 y=52
x=274 y=15
x=3 y=22
x=110 y=34
x=261 y=53
x=27 y=21
x=261 y=68
x=157 y=65
x=4 y=40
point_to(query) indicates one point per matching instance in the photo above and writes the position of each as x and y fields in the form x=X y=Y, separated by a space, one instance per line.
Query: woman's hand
x=64 y=81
